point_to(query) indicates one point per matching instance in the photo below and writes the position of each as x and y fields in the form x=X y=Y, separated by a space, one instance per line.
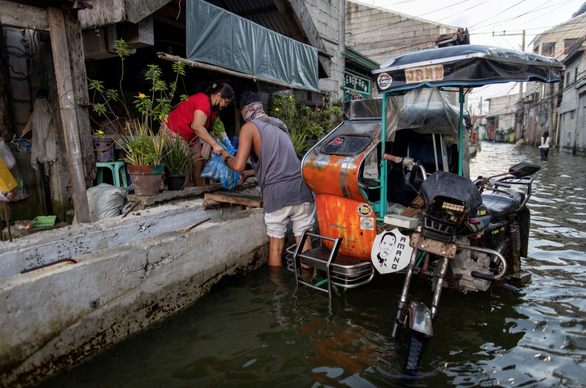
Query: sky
x=490 y=22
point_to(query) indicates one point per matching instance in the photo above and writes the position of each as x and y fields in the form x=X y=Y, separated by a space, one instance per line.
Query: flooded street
x=260 y=331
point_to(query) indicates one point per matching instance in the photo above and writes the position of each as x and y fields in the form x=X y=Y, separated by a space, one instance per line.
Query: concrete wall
x=381 y=34
x=328 y=17
x=53 y=317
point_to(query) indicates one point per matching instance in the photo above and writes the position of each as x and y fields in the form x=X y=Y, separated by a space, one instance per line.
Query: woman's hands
x=218 y=149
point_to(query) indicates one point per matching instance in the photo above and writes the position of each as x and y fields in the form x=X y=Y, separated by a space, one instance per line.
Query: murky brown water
x=260 y=331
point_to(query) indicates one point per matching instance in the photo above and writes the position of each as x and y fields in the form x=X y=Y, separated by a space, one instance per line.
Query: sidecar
x=343 y=171
x=358 y=193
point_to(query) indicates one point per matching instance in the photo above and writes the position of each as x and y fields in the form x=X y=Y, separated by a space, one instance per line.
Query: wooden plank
x=80 y=89
x=60 y=49
x=234 y=199
x=6 y=114
x=22 y=16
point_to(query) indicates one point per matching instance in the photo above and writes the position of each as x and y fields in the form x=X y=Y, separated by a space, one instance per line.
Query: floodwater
x=261 y=331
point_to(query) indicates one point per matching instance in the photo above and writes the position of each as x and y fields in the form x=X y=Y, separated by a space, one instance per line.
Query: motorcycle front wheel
x=414 y=352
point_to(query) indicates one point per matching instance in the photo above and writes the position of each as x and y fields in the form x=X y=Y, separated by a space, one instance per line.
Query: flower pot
x=105 y=150
x=175 y=182
x=146 y=180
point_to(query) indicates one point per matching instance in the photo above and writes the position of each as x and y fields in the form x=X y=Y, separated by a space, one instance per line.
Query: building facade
x=542 y=102
x=572 y=110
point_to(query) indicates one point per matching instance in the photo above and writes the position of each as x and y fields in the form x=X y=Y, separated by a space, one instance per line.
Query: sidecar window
x=346 y=145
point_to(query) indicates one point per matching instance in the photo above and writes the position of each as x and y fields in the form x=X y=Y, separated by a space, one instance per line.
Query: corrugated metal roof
x=359 y=59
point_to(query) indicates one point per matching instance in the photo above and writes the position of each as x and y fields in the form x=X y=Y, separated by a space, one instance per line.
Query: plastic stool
x=118 y=173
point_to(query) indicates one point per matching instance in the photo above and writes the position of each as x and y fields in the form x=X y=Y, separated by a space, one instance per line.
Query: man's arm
x=245 y=144
x=198 y=125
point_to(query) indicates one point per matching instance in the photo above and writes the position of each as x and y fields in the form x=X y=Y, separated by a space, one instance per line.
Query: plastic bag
x=9 y=176
x=225 y=143
x=6 y=155
x=216 y=170
x=105 y=201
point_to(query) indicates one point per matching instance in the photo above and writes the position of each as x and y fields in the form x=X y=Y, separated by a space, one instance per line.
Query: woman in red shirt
x=192 y=119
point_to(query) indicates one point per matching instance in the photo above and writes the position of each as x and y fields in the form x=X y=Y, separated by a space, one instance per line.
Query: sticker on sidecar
x=366 y=223
x=364 y=210
x=390 y=251
x=384 y=81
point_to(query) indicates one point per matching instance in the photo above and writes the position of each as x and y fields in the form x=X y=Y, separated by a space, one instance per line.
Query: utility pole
x=520 y=124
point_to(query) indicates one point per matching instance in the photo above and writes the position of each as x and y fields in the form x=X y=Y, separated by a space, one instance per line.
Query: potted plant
x=178 y=160
x=143 y=147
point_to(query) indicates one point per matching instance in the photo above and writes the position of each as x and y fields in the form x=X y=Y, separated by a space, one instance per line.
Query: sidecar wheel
x=414 y=352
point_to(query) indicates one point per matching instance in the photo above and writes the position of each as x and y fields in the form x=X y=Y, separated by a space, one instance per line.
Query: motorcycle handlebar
x=407 y=163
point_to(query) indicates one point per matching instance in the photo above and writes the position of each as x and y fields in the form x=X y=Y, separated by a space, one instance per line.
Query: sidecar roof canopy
x=465 y=66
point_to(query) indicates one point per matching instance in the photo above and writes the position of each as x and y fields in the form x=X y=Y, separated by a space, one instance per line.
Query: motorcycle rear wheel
x=414 y=352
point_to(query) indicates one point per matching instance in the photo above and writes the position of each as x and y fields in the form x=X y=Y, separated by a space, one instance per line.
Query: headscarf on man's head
x=252 y=105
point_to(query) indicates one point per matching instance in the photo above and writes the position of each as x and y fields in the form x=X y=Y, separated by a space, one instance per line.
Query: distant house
x=542 y=100
x=501 y=118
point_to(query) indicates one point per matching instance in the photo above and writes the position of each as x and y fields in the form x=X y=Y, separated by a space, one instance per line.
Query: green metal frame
x=382 y=205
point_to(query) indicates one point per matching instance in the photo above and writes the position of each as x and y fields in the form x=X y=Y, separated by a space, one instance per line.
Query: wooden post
x=67 y=108
x=80 y=89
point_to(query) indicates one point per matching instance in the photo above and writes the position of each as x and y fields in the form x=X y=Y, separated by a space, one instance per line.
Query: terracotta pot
x=146 y=180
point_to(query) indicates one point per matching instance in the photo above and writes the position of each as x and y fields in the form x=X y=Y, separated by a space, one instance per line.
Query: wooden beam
x=295 y=12
x=234 y=199
x=22 y=16
x=67 y=108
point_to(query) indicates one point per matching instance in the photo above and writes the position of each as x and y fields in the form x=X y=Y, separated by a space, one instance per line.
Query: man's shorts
x=301 y=215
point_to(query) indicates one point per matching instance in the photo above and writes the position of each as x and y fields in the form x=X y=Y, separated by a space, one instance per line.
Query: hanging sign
x=390 y=251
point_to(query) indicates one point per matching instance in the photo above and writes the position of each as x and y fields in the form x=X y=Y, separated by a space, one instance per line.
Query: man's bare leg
x=306 y=247
x=276 y=246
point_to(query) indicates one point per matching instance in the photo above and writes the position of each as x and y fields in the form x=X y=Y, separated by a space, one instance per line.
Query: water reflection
x=260 y=331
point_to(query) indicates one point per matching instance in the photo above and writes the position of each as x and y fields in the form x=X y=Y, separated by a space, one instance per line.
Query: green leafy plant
x=299 y=140
x=140 y=142
x=141 y=146
x=218 y=130
x=179 y=158
x=305 y=125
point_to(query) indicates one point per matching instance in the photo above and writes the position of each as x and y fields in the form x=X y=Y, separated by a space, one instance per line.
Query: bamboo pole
x=205 y=66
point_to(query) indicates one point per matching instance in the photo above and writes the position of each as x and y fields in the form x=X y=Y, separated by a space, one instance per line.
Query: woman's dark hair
x=545 y=135
x=247 y=97
x=224 y=89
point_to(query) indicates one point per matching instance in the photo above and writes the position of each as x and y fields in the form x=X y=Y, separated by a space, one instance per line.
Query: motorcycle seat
x=500 y=204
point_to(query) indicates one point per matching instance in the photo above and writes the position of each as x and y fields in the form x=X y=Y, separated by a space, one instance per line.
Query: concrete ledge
x=77 y=240
x=54 y=317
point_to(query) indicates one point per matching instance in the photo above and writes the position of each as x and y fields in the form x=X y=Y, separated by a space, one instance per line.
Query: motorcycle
x=470 y=237
x=393 y=193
